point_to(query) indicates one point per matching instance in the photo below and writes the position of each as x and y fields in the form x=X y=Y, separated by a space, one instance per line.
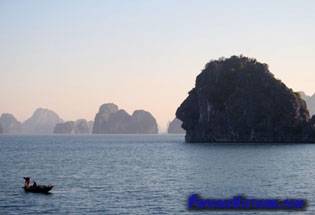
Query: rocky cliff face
x=43 y=121
x=175 y=127
x=111 y=120
x=239 y=100
x=9 y=125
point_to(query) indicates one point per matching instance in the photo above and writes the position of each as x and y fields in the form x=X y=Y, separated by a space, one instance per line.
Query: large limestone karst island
x=239 y=100
x=42 y=121
x=111 y=120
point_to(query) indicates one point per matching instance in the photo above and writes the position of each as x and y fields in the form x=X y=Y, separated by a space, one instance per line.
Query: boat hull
x=39 y=189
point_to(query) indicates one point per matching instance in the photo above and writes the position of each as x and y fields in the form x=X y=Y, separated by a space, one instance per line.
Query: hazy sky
x=73 y=56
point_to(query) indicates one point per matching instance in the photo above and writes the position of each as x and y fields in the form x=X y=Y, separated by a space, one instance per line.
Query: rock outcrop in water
x=111 y=120
x=175 y=127
x=43 y=121
x=79 y=127
x=239 y=100
x=9 y=125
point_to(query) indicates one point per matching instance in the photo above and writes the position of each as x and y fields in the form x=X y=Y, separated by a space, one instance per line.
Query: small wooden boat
x=36 y=188
x=39 y=188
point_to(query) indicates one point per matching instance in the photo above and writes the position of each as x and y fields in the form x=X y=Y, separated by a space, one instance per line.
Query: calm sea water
x=148 y=174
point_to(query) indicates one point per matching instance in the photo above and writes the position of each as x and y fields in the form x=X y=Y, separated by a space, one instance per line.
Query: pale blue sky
x=73 y=56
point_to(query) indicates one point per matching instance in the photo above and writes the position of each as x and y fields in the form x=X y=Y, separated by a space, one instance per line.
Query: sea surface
x=148 y=174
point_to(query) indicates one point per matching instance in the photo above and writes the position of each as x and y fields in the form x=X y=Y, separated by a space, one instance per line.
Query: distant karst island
x=175 y=127
x=9 y=125
x=42 y=121
x=310 y=101
x=111 y=120
x=238 y=100
x=80 y=126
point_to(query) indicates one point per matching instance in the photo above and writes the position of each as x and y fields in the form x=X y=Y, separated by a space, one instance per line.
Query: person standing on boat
x=27 y=182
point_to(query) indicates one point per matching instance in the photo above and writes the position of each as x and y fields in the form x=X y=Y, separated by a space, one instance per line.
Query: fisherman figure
x=27 y=182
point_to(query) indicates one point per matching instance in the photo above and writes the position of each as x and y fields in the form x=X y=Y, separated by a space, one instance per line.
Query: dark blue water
x=148 y=174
